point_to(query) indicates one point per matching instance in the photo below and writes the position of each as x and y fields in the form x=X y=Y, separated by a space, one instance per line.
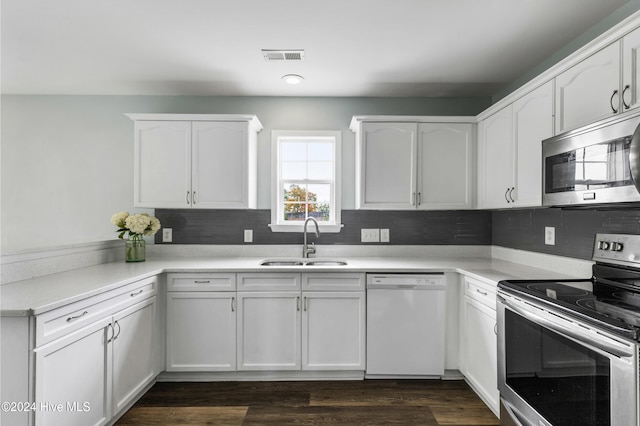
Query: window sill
x=330 y=229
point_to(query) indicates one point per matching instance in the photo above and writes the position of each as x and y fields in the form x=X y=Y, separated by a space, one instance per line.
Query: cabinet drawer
x=269 y=281
x=58 y=322
x=483 y=292
x=339 y=281
x=201 y=282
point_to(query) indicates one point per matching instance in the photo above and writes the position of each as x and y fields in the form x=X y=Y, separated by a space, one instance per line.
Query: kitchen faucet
x=306 y=250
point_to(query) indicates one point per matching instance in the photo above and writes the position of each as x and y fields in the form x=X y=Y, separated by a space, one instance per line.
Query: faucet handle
x=311 y=248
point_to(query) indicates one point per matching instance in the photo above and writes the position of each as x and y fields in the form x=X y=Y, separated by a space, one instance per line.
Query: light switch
x=384 y=235
x=248 y=235
x=167 y=235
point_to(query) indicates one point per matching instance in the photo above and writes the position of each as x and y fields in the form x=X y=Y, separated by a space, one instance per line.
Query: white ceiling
x=352 y=47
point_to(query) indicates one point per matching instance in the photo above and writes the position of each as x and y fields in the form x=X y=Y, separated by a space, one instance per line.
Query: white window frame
x=277 y=195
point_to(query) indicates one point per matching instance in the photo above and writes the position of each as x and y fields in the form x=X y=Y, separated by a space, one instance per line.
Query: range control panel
x=621 y=249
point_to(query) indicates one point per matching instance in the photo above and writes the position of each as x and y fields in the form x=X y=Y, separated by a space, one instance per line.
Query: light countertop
x=37 y=295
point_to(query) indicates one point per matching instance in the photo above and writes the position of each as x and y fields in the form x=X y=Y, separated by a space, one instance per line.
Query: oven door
x=593 y=165
x=554 y=370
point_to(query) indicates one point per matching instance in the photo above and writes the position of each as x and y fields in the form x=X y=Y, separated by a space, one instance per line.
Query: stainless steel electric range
x=568 y=350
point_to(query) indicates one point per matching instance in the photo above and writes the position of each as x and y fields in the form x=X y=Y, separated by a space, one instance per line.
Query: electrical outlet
x=384 y=235
x=550 y=235
x=248 y=235
x=370 y=235
x=167 y=235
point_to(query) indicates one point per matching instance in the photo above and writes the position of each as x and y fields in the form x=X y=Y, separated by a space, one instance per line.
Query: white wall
x=67 y=161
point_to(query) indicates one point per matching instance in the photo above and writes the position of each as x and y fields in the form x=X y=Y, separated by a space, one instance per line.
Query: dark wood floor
x=368 y=402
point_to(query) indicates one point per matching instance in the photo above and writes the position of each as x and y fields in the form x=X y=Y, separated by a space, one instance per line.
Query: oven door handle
x=610 y=346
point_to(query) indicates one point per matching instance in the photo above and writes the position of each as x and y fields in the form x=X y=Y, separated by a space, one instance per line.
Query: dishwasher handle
x=406 y=287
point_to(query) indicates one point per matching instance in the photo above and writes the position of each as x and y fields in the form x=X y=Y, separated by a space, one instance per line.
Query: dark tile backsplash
x=405 y=227
x=519 y=229
x=575 y=228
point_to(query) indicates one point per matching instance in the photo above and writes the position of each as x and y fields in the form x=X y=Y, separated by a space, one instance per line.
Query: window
x=306 y=179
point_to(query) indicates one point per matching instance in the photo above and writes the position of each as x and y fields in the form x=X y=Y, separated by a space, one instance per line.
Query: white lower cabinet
x=76 y=370
x=323 y=329
x=201 y=331
x=89 y=375
x=269 y=330
x=333 y=331
x=479 y=341
x=134 y=363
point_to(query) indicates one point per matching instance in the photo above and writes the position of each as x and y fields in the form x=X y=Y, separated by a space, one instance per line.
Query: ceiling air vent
x=282 y=55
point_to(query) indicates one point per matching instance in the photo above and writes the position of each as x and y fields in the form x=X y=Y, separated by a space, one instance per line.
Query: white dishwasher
x=405 y=325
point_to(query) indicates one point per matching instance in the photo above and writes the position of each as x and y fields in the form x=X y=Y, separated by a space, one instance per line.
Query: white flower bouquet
x=135 y=225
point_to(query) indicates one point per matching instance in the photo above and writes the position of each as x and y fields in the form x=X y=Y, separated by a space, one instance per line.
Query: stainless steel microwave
x=595 y=164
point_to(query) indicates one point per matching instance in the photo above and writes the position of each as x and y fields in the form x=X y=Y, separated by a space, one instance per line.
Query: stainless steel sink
x=282 y=262
x=303 y=262
x=326 y=263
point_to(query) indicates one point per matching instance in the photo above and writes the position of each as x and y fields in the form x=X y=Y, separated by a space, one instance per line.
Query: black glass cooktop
x=615 y=308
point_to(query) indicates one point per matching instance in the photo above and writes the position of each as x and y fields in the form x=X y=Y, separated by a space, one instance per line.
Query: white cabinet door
x=269 y=330
x=481 y=352
x=220 y=161
x=73 y=378
x=533 y=122
x=333 y=331
x=201 y=331
x=496 y=157
x=445 y=157
x=630 y=69
x=387 y=166
x=162 y=172
x=133 y=351
x=590 y=90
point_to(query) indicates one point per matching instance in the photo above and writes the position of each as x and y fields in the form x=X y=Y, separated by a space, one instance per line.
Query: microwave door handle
x=634 y=158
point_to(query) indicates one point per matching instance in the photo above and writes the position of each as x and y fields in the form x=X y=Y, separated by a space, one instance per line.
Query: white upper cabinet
x=533 y=123
x=410 y=165
x=162 y=172
x=386 y=173
x=495 y=148
x=445 y=166
x=510 y=156
x=590 y=90
x=630 y=68
x=195 y=161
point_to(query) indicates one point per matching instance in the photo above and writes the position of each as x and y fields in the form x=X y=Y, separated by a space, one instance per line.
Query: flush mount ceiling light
x=292 y=78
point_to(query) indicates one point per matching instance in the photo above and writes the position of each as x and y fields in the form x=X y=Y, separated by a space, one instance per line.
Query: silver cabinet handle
x=109 y=326
x=627 y=87
x=193 y=197
x=505 y=195
x=306 y=304
x=188 y=192
x=413 y=199
x=233 y=304
x=615 y=92
x=495 y=329
x=484 y=293
x=77 y=316
x=419 y=198
x=511 y=194
x=298 y=303
x=116 y=336
x=201 y=281
x=137 y=292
